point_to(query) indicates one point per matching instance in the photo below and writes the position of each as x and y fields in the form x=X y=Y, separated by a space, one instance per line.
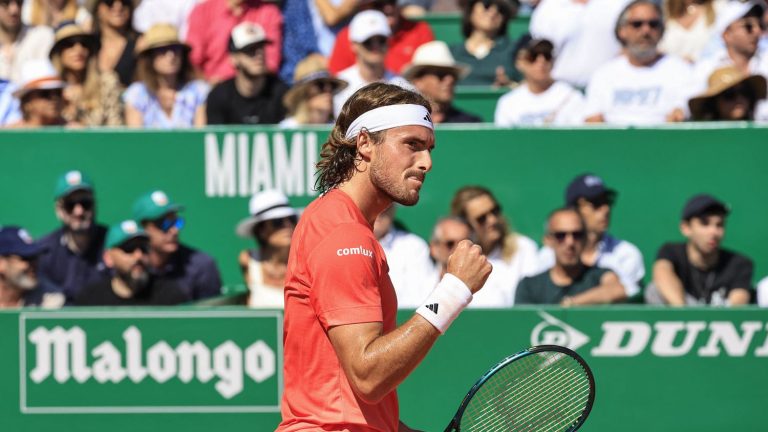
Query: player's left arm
x=610 y=290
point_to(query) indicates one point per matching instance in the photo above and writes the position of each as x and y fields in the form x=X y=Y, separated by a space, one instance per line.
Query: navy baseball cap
x=587 y=186
x=701 y=204
x=17 y=241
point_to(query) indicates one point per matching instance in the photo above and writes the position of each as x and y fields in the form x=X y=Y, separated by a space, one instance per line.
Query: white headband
x=390 y=116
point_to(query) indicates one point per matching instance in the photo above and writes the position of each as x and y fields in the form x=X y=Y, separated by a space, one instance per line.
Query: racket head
x=546 y=387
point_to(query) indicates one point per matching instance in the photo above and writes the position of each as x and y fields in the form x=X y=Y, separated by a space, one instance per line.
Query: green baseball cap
x=122 y=232
x=71 y=181
x=153 y=205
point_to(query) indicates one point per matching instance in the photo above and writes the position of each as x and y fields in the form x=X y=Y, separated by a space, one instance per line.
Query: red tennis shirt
x=337 y=274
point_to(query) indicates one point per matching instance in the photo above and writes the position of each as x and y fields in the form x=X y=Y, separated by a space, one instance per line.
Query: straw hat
x=434 y=55
x=158 y=36
x=311 y=69
x=38 y=74
x=721 y=80
x=71 y=30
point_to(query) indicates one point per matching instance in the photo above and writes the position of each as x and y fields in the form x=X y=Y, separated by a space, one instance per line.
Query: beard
x=24 y=281
x=643 y=52
x=137 y=279
x=396 y=191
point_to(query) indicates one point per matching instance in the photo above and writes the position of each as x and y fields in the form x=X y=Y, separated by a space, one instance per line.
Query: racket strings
x=542 y=392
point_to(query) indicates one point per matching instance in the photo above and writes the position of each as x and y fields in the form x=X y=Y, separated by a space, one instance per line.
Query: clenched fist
x=469 y=264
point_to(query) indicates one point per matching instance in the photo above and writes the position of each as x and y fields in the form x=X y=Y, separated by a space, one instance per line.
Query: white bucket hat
x=265 y=205
x=38 y=74
x=434 y=55
x=368 y=24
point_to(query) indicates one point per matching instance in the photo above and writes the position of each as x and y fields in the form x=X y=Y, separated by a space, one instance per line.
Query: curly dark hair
x=339 y=157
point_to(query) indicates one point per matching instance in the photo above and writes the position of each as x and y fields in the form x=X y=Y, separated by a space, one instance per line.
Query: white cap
x=38 y=74
x=265 y=205
x=731 y=12
x=368 y=24
x=247 y=33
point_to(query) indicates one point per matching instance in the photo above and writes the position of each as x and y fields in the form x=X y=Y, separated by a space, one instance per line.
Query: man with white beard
x=19 y=282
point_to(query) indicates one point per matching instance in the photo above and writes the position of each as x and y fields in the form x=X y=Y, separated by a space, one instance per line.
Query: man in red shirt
x=343 y=354
x=406 y=37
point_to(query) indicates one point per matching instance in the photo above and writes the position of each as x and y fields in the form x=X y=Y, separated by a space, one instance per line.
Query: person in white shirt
x=762 y=292
x=369 y=32
x=642 y=86
x=539 y=99
x=593 y=201
x=20 y=43
x=581 y=31
x=151 y=12
x=512 y=255
x=689 y=26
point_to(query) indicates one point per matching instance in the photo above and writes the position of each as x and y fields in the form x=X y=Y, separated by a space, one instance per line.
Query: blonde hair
x=92 y=83
x=674 y=9
x=39 y=16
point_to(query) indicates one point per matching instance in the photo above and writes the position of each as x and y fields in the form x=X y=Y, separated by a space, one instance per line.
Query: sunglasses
x=132 y=246
x=165 y=224
x=602 y=200
x=323 y=86
x=560 y=236
x=449 y=244
x=750 y=26
x=654 y=24
x=176 y=49
x=532 y=56
x=734 y=93
x=375 y=43
x=280 y=222
x=69 y=43
x=440 y=74
x=111 y=3
x=253 y=50
x=5 y=3
x=496 y=211
x=44 y=94
x=70 y=204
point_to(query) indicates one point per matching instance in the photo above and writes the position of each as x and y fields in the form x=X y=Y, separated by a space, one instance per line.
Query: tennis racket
x=544 y=388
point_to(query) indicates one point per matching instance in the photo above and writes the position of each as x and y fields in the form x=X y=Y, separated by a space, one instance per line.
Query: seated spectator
x=310 y=99
x=53 y=13
x=21 y=43
x=699 y=271
x=582 y=32
x=512 y=255
x=406 y=36
x=193 y=271
x=20 y=284
x=151 y=12
x=91 y=97
x=211 y=22
x=569 y=282
x=593 y=201
x=407 y=255
x=166 y=95
x=539 y=99
x=74 y=251
x=130 y=284
x=10 y=108
x=40 y=96
x=369 y=32
x=254 y=95
x=117 y=39
x=486 y=47
x=688 y=27
x=642 y=86
x=434 y=73
x=731 y=96
x=271 y=224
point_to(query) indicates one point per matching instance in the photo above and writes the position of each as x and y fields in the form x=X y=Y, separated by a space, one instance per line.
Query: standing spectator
x=254 y=95
x=310 y=99
x=512 y=255
x=569 y=282
x=688 y=26
x=212 y=21
x=699 y=271
x=193 y=271
x=74 y=251
x=369 y=33
x=20 y=42
x=539 y=99
x=302 y=40
x=166 y=95
x=582 y=32
x=434 y=72
x=731 y=96
x=10 y=109
x=329 y=17
x=151 y=12
x=406 y=36
x=40 y=96
x=594 y=202
x=486 y=46
x=642 y=86
x=91 y=97
x=117 y=39
x=53 y=13
x=130 y=284
x=271 y=224
x=20 y=284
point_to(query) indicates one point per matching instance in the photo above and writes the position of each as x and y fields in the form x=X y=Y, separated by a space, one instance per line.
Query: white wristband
x=446 y=302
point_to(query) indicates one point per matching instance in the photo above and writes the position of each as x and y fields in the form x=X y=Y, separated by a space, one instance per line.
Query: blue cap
x=15 y=240
x=587 y=186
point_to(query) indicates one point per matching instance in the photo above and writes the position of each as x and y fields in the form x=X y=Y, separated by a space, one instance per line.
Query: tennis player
x=344 y=356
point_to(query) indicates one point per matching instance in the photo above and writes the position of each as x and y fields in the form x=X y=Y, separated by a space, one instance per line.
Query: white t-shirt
x=151 y=12
x=762 y=292
x=352 y=76
x=620 y=256
x=408 y=260
x=630 y=95
x=33 y=43
x=560 y=104
x=261 y=294
x=499 y=290
x=689 y=43
x=583 y=35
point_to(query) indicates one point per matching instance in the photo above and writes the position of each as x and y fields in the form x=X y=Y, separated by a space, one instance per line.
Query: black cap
x=703 y=203
x=587 y=186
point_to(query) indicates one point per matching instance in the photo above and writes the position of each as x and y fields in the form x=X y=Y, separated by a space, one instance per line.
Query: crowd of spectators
x=159 y=64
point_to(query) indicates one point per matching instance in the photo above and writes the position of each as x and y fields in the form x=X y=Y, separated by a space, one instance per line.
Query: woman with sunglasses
x=688 y=26
x=486 y=47
x=117 y=39
x=731 y=96
x=40 y=96
x=92 y=98
x=53 y=13
x=310 y=100
x=166 y=95
x=271 y=224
